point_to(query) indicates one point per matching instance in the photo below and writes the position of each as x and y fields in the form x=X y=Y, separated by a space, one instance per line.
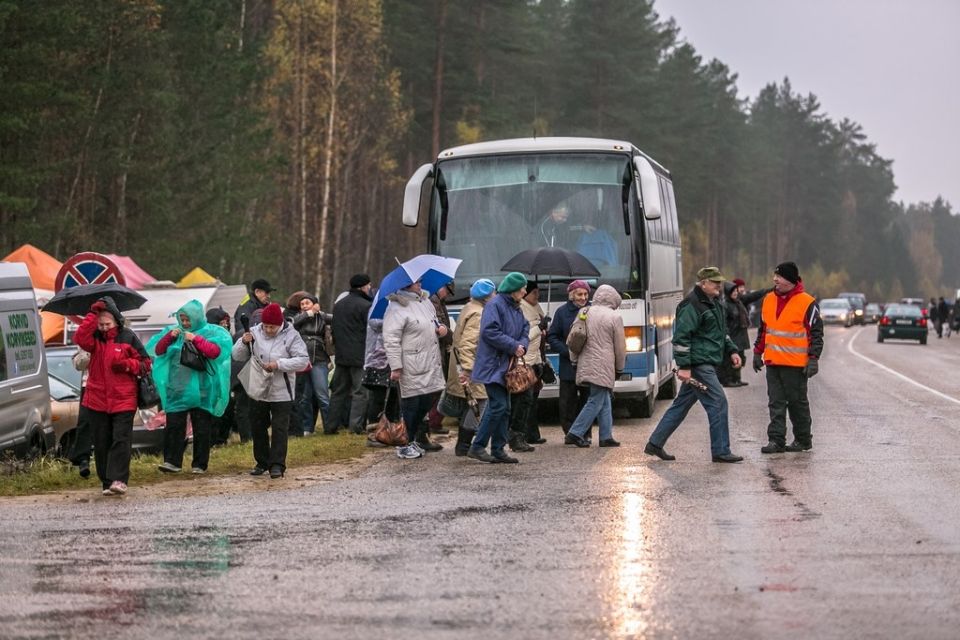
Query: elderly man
x=572 y=397
x=700 y=344
x=789 y=344
x=348 y=398
x=258 y=298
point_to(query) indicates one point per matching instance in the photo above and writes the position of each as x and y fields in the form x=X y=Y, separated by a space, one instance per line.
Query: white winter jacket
x=289 y=351
x=410 y=340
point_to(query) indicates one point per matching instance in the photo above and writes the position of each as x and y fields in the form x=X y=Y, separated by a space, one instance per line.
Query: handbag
x=519 y=376
x=191 y=357
x=392 y=434
x=547 y=374
x=147 y=393
x=578 y=333
x=376 y=377
x=255 y=379
x=450 y=405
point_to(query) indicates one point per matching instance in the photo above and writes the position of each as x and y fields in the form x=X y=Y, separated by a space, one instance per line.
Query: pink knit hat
x=578 y=284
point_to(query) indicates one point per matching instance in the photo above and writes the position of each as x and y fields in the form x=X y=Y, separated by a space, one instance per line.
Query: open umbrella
x=551 y=261
x=432 y=271
x=76 y=301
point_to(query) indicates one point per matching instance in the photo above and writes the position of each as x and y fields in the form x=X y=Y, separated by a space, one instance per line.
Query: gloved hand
x=98 y=306
x=813 y=366
x=120 y=366
x=757 y=362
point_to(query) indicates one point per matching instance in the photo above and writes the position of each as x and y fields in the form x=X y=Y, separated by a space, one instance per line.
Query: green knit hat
x=513 y=281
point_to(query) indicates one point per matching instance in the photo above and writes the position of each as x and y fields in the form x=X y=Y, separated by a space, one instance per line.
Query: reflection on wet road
x=857 y=538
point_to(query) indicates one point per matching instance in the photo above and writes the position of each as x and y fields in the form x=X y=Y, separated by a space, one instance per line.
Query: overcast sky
x=893 y=66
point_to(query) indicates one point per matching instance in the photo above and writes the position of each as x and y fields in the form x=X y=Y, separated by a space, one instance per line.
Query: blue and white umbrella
x=432 y=271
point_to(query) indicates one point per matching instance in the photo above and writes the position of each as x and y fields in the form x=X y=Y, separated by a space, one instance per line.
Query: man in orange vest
x=789 y=342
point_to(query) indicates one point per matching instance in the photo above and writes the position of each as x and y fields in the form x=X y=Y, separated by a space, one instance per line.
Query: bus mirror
x=649 y=188
x=417 y=191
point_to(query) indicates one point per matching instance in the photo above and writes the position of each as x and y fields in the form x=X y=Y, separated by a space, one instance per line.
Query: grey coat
x=287 y=348
x=605 y=351
x=410 y=340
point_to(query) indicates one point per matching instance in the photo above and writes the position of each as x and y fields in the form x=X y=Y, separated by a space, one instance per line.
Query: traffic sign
x=88 y=268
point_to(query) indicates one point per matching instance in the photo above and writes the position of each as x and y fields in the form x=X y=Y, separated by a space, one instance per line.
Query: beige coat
x=605 y=351
x=533 y=314
x=465 y=339
x=410 y=340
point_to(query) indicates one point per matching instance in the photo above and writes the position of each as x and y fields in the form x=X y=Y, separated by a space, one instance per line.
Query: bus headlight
x=633 y=335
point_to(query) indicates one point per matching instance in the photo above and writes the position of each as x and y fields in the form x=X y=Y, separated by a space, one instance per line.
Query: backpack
x=578 y=333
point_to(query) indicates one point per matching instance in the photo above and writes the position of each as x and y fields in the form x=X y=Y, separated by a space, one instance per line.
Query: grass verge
x=47 y=474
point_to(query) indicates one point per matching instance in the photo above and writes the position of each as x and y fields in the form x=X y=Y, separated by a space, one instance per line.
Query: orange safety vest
x=786 y=341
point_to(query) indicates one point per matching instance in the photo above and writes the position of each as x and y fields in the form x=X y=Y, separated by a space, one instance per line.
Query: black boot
x=464 y=438
x=518 y=443
x=424 y=441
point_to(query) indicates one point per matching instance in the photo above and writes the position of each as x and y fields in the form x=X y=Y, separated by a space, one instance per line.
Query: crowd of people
x=268 y=379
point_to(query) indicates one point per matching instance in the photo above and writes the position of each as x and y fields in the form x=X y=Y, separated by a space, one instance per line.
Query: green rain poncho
x=182 y=388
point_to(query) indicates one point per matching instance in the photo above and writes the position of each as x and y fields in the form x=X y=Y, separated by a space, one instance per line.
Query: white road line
x=896 y=373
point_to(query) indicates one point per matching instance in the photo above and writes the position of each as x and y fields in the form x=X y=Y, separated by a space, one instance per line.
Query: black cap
x=788 y=271
x=359 y=280
x=260 y=283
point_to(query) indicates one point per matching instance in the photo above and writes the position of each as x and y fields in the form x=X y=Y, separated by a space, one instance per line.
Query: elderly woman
x=312 y=324
x=184 y=391
x=572 y=397
x=465 y=339
x=503 y=335
x=279 y=352
x=117 y=359
x=598 y=364
x=410 y=331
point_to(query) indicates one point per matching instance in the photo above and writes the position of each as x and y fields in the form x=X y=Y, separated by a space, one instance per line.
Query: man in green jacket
x=700 y=343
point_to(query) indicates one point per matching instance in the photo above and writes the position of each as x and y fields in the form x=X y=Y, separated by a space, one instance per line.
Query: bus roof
x=540 y=145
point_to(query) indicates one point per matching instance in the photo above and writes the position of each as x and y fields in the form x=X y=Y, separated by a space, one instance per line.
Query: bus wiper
x=625 y=196
x=441 y=185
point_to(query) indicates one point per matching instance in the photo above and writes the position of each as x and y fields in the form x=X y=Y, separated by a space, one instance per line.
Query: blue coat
x=557 y=339
x=502 y=328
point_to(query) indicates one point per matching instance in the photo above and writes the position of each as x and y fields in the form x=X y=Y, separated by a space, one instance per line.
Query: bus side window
x=674 y=220
x=665 y=207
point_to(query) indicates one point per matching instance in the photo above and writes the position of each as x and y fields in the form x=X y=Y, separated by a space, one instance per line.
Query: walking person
x=278 y=349
x=943 y=317
x=599 y=364
x=571 y=396
x=789 y=344
x=700 y=344
x=466 y=337
x=201 y=394
x=117 y=359
x=410 y=331
x=503 y=335
x=348 y=398
x=522 y=405
x=82 y=443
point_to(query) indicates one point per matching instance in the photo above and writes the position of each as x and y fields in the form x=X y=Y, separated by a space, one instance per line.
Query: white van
x=25 y=424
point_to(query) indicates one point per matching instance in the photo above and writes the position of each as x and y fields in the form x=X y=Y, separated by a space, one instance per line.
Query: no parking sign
x=87 y=268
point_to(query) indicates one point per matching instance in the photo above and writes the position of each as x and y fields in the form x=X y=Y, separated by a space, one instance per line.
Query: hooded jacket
x=410 y=340
x=605 y=351
x=182 y=388
x=115 y=363
x=737 y=318
x=502 y=328
x=286 y=348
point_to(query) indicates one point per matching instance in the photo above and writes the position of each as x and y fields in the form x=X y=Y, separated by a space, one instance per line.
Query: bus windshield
x=501 y=205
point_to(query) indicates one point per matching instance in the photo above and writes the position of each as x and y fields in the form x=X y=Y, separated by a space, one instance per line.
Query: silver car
x=837 y=311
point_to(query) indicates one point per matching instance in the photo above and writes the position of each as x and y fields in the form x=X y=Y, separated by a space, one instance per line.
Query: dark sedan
x=902 y=322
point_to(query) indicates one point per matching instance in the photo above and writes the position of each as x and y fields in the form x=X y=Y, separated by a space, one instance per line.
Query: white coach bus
x=606 y=199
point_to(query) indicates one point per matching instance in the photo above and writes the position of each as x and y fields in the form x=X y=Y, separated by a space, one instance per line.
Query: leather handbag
x=392 y=434
x=191 y=357
x=547 y=374
x=147 y=393
x=450 y=405
x=519 y=376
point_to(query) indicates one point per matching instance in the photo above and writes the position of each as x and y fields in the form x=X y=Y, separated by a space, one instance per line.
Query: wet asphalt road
x=857 y=538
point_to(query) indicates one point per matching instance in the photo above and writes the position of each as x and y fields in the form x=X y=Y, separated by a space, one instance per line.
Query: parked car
x=902 y=322
x=64 y=379
x=872 y=313
x=859 y=303
x=837 y=311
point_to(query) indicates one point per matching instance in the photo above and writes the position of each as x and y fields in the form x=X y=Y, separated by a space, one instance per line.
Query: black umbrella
x=76 y=301
x=551 y=261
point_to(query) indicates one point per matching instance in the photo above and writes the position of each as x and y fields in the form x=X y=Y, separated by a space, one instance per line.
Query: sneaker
x=118 y=488
x=772 y=447
x=408 y=452
x=796 y=446
x=417 y=447
x=198 y=470
x=168 y=467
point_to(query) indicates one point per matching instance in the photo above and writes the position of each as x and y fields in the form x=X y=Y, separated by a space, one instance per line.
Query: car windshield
x=834 y=304
x=903 y=310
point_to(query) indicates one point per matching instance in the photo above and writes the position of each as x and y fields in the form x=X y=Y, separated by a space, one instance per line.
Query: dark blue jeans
x=713 y=400
x=414 y=410
x=496 y=419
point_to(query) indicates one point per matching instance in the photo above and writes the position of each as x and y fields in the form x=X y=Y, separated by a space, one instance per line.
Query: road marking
x=896 y=373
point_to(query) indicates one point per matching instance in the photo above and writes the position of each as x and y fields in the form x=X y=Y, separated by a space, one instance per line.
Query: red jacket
x=114 y=367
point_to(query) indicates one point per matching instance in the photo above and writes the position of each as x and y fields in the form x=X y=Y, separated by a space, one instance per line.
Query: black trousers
x=270 y=449
x=376 y=396
x=572 y=399
x=521 y=404
x=533 y=419
x=82 y=443
x=175 y=437
x=787 y=394
x=348 y=400
x=222 y=426
x=112 y=438
x=241 y=412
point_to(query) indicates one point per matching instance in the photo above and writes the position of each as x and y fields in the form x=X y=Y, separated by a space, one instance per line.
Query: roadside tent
x=135 y=275
x=43 y=270
x=197 y=278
